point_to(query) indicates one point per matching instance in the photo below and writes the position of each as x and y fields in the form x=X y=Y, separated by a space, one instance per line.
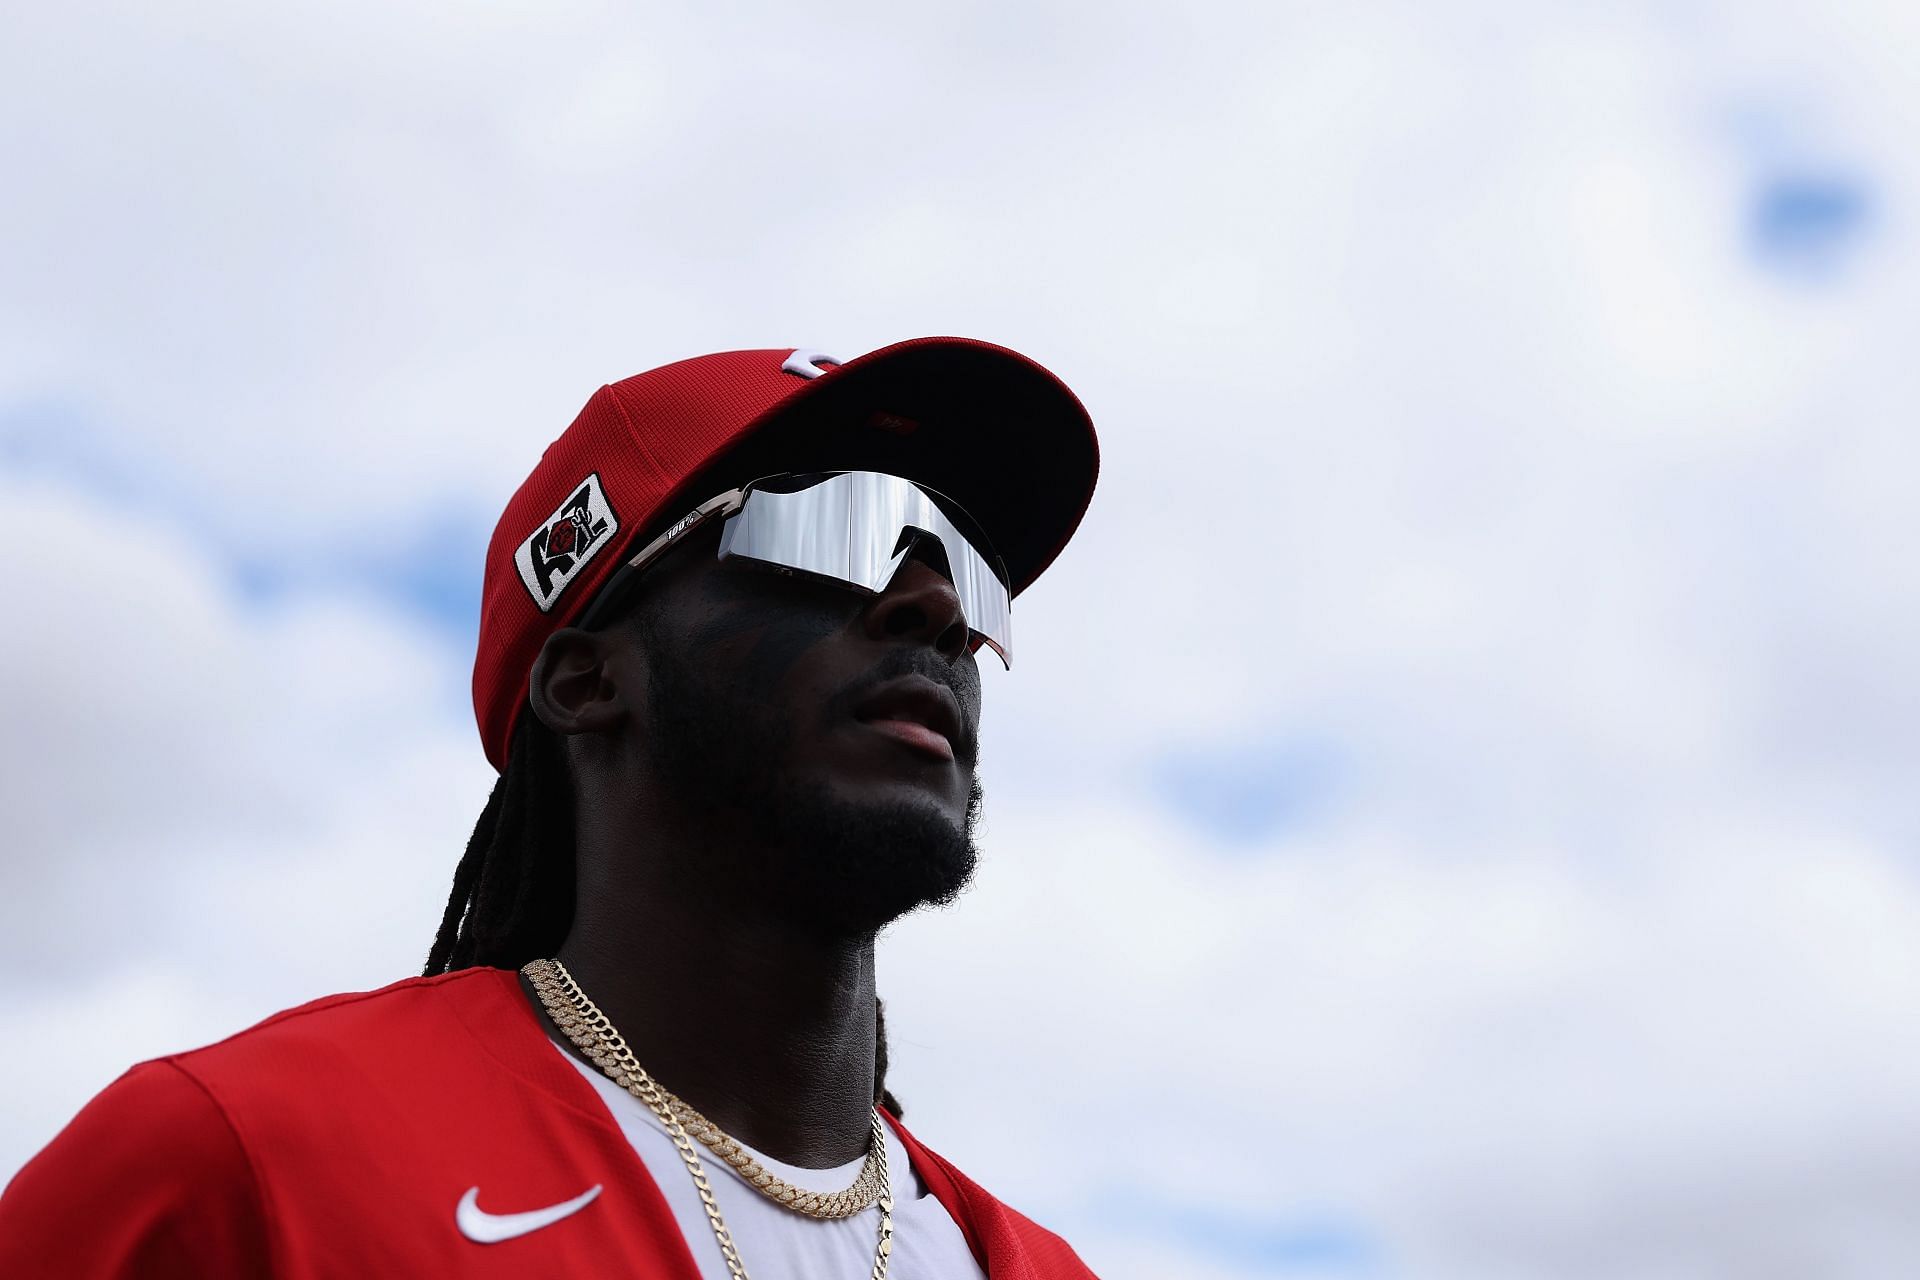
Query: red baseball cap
x=984 y=425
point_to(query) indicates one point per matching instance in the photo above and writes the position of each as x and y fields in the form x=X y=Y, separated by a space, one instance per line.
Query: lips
x=917 y=711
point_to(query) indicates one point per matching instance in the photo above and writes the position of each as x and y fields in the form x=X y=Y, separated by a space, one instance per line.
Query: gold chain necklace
x=865 y=1189
x=581 y=1021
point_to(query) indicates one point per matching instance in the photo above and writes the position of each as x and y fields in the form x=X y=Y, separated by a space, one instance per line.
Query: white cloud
x=210 y=807
x=1493 y=1065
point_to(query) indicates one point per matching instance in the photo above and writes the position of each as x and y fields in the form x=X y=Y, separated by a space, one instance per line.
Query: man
x=727 y=668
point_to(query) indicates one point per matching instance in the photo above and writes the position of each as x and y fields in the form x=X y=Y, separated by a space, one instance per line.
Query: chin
x=847 y=870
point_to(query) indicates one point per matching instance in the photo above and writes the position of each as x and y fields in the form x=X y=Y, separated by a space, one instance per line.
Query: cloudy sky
x=1453 y=814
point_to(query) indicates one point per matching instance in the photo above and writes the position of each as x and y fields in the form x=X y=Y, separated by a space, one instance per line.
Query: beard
x=794 y=851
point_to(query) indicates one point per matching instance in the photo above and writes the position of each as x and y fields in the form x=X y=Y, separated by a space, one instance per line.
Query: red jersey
x=338 y=1140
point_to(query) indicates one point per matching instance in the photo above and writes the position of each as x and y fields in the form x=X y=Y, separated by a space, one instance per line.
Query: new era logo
x=561 y=547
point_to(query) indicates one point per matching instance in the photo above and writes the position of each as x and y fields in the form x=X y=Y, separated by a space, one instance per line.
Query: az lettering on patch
x=563 y=544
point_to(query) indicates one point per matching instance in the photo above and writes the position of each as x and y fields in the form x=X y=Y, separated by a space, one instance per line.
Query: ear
x=576 y=684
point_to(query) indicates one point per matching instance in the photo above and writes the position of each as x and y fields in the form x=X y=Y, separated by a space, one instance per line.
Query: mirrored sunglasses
x=852 y=528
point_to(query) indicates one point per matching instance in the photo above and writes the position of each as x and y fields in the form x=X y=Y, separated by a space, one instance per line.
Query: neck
x=767 y=1032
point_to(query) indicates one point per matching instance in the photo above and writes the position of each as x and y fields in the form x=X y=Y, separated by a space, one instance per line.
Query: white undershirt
x=779 y=1244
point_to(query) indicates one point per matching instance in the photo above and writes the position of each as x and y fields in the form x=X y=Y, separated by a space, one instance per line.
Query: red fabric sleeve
x=148 y=1180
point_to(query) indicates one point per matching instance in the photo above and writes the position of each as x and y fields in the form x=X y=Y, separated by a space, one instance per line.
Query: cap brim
x=982 y=424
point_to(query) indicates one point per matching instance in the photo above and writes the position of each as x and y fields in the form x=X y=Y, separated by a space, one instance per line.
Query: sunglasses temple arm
x=724 y=505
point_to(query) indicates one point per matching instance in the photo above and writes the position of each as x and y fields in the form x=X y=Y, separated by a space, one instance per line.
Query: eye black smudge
x=783 y=620
x=780 y=644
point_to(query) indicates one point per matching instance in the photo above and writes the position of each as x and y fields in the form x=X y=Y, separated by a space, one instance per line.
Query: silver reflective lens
x=857 y=527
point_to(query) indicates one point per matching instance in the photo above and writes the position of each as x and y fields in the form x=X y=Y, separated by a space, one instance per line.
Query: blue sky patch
x=424 y=561
x=428 y=565
x=1244 y=792
x=1808 y=224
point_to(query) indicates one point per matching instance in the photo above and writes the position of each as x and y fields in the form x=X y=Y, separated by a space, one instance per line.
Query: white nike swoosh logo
x=481 y=1227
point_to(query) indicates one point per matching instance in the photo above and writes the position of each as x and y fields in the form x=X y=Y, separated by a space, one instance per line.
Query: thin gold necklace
x=594 y=1034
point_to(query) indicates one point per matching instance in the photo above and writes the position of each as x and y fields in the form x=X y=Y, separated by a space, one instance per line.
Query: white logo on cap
x=807 y=363
x=564 y=542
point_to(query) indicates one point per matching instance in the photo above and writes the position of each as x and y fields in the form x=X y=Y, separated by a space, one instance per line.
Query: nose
x=921 y=604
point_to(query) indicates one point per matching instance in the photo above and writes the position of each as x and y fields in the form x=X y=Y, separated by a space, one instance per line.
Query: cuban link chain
x=594 y=1034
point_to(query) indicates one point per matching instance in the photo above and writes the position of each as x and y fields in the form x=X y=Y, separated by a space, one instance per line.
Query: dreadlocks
x=512 y=898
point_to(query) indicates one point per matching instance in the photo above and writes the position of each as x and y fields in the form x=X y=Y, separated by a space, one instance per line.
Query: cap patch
x=563 y=544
